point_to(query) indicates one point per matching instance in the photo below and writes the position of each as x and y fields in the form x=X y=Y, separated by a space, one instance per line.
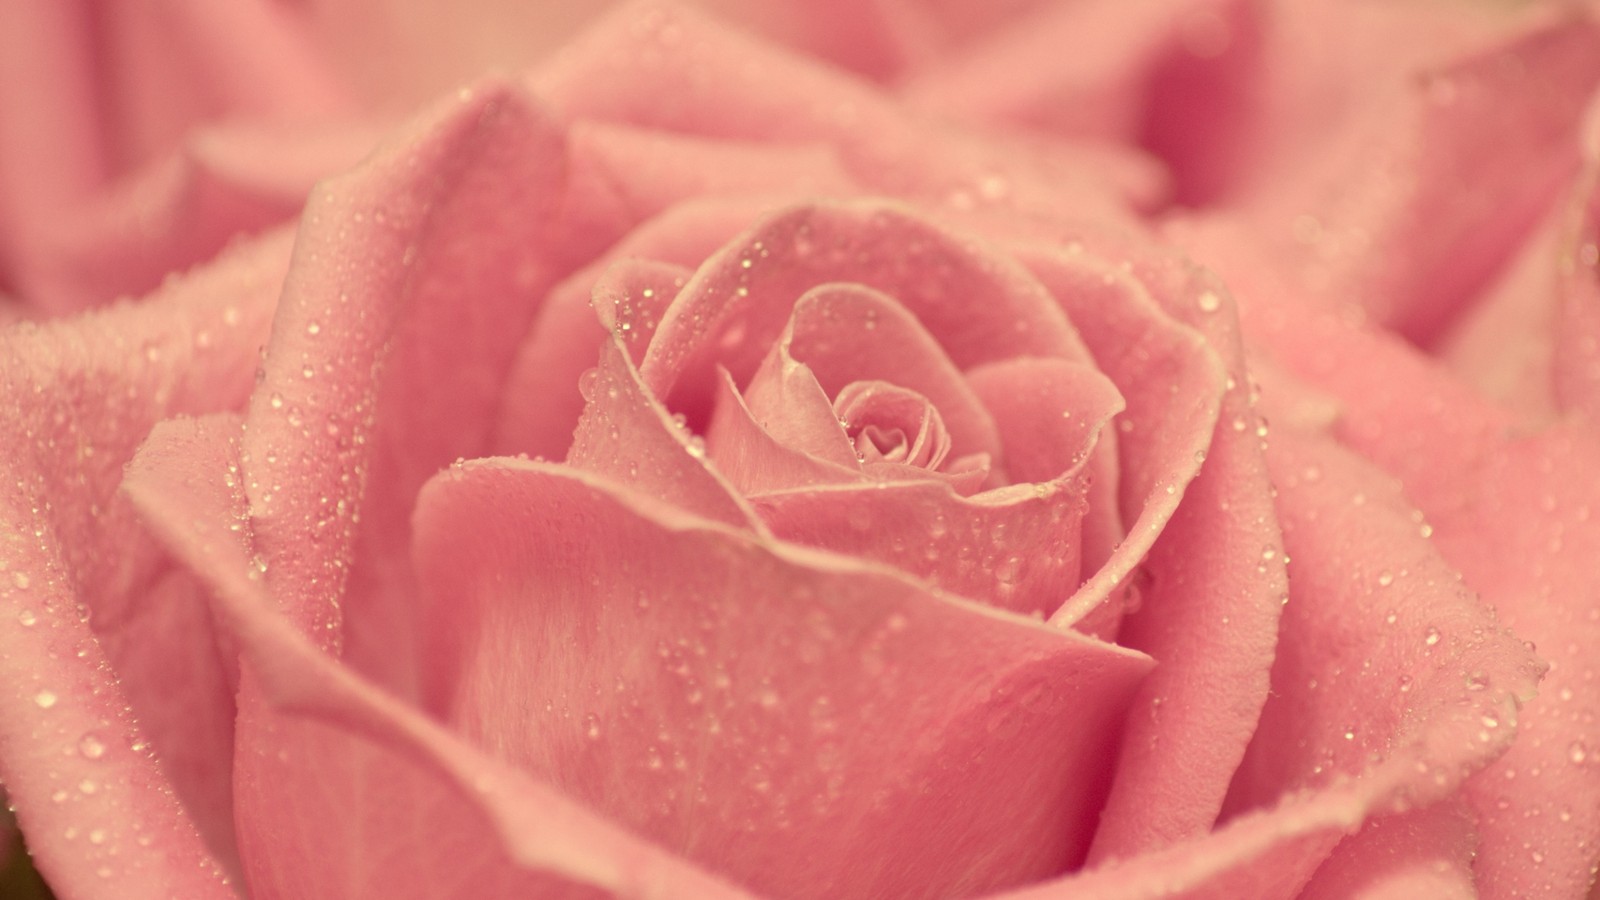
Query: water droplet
x=1007 y=571
x=28 y=618
x=1432 y=636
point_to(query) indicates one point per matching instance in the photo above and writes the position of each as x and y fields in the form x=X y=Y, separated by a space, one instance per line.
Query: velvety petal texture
x=119 y=743
x=800 y=448
x=784 y=697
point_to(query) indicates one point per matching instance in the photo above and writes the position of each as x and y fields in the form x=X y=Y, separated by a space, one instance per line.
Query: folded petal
x=734 y=699
x=1513 y=514
x=413 y=277
x=738 y=302
x=1171 y=379
x=755 y=461
x=118 y=708
x=1213 y=577
x=541 y=401
x=1368 y=720
x=335 y=767
x=1423 y=853
x=625 y=432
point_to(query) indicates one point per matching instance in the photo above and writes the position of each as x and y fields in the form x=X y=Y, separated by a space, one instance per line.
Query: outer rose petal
x=1462 y=164
x=129 y=81
x=1425 y=741
x=1424 y=853
x=1173 y=75
x=652 y=65
x=118 y=708
x=1214 y=573
x=738 y=700
x=347 y=766
x=1513 y=515
x=412 y=278
x=223 y=183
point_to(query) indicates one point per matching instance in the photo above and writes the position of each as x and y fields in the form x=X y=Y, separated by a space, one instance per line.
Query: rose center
x=889 y=423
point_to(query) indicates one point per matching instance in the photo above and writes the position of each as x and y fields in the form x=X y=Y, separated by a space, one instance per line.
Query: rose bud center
x=889 y=423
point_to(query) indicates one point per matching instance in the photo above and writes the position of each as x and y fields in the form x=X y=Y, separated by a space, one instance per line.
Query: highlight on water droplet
x=91 y=746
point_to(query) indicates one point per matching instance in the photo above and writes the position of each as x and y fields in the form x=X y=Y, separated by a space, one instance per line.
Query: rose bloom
x=800 y=449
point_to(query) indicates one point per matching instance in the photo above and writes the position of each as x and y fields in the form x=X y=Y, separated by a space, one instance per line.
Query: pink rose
x=688 y=469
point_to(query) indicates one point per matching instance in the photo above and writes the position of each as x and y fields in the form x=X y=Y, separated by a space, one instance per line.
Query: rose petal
x=1426 y=853
x=413 y=277
x=736 y=305
x=885 y=730
x=1576 y=360
x=787 y=403
x=1171 y=75
x=1409 y=748
x=130 y=82
x=1213 y=576
x=1015 y=548
x=542 y=403
x=632 y=68
x=754 y=461
x=336 y=765
x=646 y=171
x=848 y=332
x=222 y=183
x=53 y=154
x=1049 y=412
x=1378 y=630
x=626 y=433
x=119 y=703
x=1448 y=177
x=1511 y=513
x=1172 y=381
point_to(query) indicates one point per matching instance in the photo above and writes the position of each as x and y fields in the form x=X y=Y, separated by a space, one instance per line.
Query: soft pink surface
x=737 y=455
